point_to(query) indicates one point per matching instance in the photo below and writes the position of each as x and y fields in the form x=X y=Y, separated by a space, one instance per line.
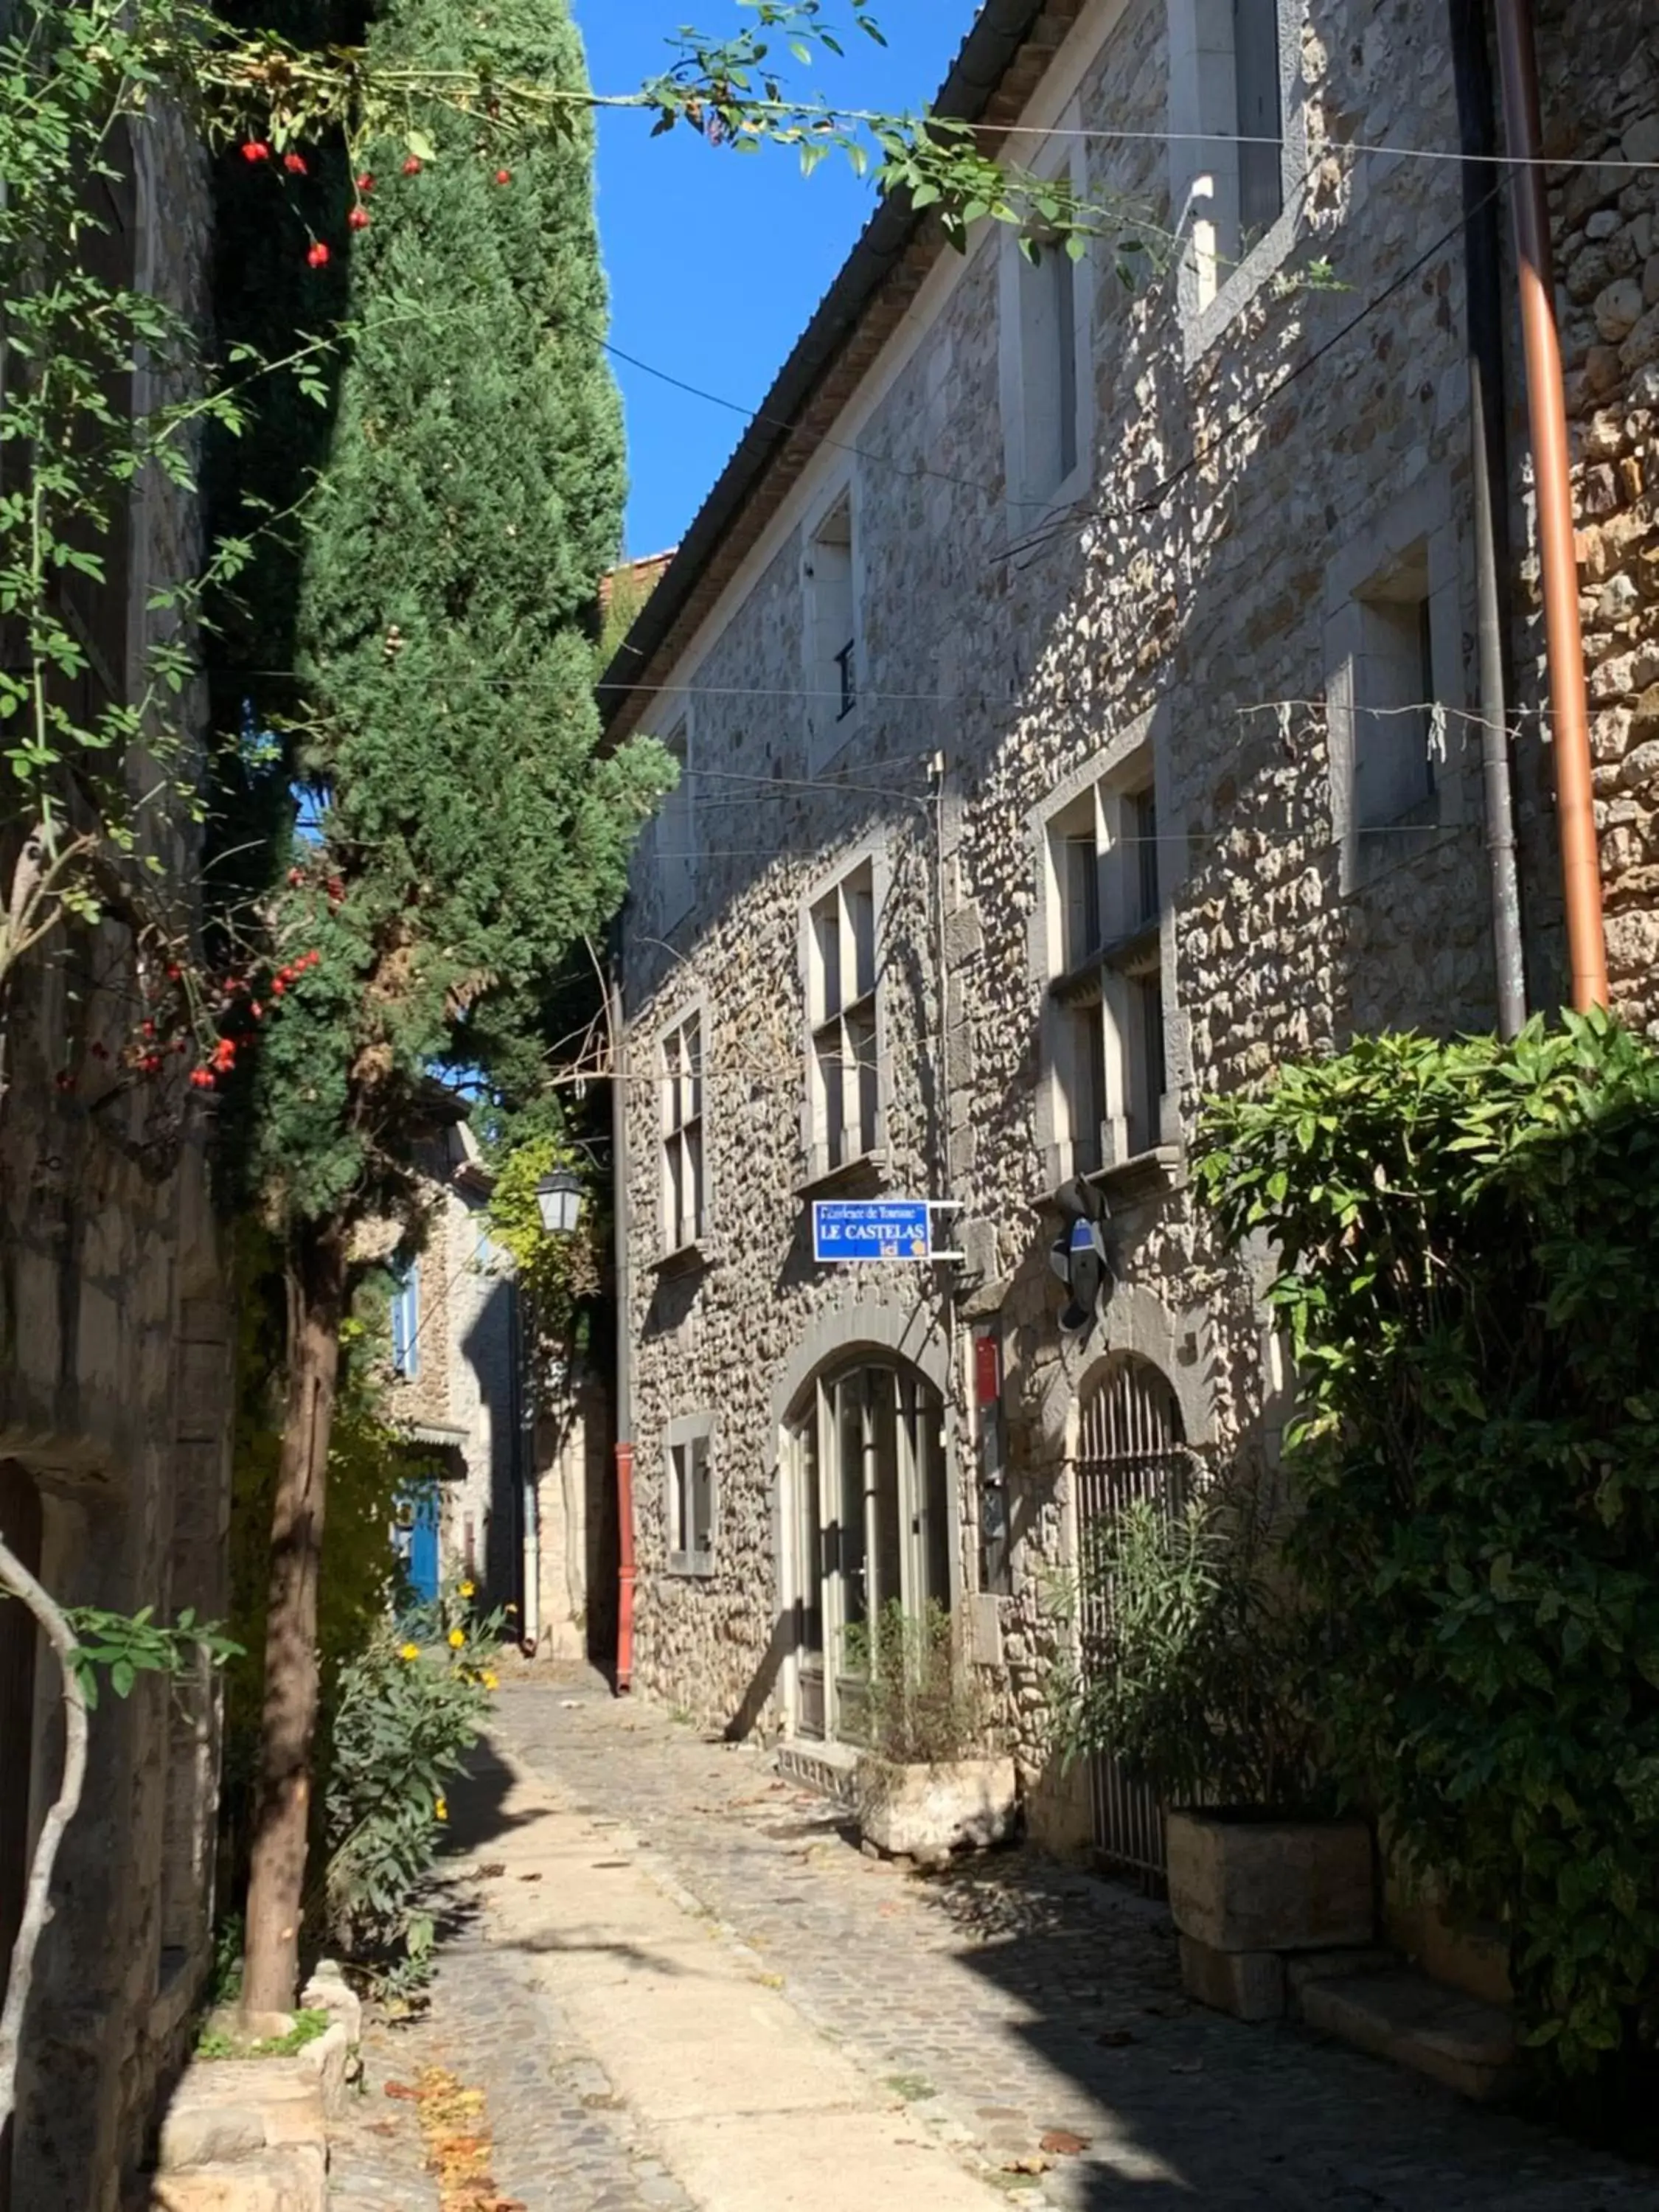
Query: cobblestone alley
x=678 y=1984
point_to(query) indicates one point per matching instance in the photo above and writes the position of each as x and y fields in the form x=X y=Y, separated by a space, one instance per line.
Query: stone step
x=828 y=1768
x=1402 y=2015
x=292 y=2179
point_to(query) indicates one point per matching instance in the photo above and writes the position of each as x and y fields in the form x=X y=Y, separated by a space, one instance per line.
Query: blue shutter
x=406 y=1323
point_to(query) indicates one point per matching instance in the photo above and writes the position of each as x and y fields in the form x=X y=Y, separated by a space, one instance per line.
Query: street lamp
x=559 y=1200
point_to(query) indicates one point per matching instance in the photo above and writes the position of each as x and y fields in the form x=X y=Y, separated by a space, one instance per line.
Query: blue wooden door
x=422 y=1506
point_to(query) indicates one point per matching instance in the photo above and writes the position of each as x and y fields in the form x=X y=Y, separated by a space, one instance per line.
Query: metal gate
x=1131 y=1446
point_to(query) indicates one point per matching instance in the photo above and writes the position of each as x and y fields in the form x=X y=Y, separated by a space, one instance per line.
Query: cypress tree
x=456 y=829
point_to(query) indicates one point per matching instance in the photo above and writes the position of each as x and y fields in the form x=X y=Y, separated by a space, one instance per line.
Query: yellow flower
x=408 y=1651
x=490 y=1681
x=457 y=1638
x=466 y=1590
x=441 y=1809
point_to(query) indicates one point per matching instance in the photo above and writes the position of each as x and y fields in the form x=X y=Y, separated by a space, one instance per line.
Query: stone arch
x=1141 y=1325
x=909 y=1333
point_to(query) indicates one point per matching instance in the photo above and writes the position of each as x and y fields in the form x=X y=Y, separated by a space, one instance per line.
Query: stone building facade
x=455 y=1384
x=1077 y=709
x=116 y=1382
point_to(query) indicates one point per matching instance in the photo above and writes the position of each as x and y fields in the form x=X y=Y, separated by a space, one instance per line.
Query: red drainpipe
x=627 y=1576
x=1580 y=870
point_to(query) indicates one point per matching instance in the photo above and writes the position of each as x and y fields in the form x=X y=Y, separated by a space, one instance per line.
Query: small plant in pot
x=1189 y=1658
x=928 y=1782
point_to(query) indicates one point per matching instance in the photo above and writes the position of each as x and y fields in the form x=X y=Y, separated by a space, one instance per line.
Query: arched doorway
x=868 y=1524
x=1131 y=1446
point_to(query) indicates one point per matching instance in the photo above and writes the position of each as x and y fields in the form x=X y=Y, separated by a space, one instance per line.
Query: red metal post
x=625 y=1593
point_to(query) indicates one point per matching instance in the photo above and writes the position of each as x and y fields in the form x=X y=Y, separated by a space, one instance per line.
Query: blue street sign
x=871 y=1229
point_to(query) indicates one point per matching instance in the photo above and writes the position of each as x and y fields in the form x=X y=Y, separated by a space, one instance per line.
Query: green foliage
x=920 y=1695
x=463 y=832
x=131 y=1644
x=1467 y=1235
x=308 y=2025
x=1189 y=1659
x=404 y=1716
x=80 y=88
x=554 y=1273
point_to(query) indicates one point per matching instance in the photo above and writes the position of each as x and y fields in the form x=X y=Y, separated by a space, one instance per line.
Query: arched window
x=869 y=1523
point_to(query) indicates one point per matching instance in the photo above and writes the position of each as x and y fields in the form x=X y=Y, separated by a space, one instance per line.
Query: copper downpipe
x=1581 y=872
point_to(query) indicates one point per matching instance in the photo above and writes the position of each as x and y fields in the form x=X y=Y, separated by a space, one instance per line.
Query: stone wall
x=1602 y=77
x=115 y=1392
x=461 y=1401
x=1245 y=485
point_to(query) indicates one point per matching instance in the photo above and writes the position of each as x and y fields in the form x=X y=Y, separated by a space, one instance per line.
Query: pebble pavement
x=1006 y=2000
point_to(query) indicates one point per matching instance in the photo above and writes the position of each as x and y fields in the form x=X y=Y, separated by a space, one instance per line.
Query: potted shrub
x=1190 y=1662
x=928 y=1783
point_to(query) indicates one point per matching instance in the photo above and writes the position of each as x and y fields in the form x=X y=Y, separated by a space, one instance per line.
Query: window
x=1228 y=88
x=1049 y=377
x=1395 y=673
x=1106 y=988
x=832 y=639
x=1256 y=110
x=1045 y=355
x=682 y=1213
x=1394 y=715
x=676 y=830
x=843 y=1086
x=406 y=1321
x=692 y=1497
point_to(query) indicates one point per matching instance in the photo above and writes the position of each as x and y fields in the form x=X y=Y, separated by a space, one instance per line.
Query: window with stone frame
x=1046 y=307
x=1395 y=701
x=689 y=1472
x=1049 y=384
x=683 y=1209
x=1106 y=987
x=1228 y=118
x=842 y=1072
x=676 y=831
x=832 y=624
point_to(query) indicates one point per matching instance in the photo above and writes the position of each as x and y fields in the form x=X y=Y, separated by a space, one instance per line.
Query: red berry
x=255 y=150
x=173 y=975
x=503 y=176
x=201 y=1078
x=294 y=164
x=318 y=256
x=412 y=166
x=296 y=875
x=150 y=1062
x=279 y=987
x=64 y=1080
x=358 y=219
x=256 y=1011
x=366 y=182
x=149 y=1028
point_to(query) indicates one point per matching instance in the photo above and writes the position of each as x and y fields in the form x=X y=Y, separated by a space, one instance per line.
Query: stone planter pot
x=1250 y=1881
x=927 y=1812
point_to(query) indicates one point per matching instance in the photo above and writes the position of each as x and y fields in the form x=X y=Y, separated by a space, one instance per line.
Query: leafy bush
x=1188 y=1661
x=1468 y=1235
x=922 y=1703
x=404 y=1716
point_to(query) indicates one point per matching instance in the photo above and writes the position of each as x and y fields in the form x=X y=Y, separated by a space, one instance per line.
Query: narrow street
x=678 y=1984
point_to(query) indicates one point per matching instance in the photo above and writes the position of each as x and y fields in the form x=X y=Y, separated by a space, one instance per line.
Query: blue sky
x=717 y=260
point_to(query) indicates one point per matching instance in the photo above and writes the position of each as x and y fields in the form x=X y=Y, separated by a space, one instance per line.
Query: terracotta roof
x=1002 y=61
